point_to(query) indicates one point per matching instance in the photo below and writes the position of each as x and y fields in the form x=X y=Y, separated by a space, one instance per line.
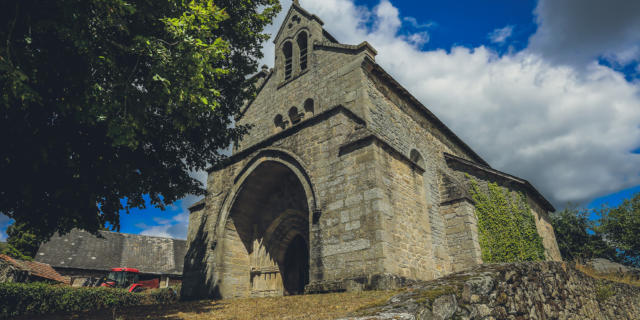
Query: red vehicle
x=128 y=278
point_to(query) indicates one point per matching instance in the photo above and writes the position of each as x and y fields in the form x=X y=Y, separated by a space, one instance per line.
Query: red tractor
x=128 y=278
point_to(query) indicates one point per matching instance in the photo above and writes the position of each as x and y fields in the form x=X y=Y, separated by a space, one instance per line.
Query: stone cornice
x=288 y=132
x=364 y=137
x=504 y=176
x=347 y=47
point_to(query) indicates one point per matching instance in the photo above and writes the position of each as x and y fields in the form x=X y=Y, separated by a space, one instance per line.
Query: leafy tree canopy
x=620 y=226
x=576 y=237
x=21 y=243
x=103 y=100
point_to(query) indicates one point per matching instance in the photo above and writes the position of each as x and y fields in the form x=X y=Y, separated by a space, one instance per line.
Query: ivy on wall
x=506 y=227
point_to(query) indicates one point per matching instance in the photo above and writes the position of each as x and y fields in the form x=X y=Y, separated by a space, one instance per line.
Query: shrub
x=41 y=298
x=604 y=291
x=164 y=295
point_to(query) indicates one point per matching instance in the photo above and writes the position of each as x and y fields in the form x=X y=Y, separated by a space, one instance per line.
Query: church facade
x=345 y=182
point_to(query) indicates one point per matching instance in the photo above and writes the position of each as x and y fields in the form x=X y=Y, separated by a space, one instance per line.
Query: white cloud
x=567 y=128
x=624 y=57
x=171 y=227
x=414 y=23
x=500 y=35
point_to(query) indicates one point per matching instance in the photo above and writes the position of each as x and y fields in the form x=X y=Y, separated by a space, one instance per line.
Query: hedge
x=41 y=298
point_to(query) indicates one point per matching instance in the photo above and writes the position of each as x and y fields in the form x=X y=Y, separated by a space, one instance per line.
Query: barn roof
x=36 y=269
x=82 y=250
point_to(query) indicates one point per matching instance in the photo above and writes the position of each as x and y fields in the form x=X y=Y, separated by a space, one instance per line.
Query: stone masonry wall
x=542 y=290
x=333 y=78
x=541 y=216
x=341 y=241
x=406 y=233
x=462 y=234
x=398 y=127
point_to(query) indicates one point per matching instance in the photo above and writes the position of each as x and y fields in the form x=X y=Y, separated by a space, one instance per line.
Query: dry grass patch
x=307 y=307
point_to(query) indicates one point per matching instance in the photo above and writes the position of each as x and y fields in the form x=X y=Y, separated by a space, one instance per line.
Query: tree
x=104 y=101
x=621 y=227
x=23 y=240
x=576 y=237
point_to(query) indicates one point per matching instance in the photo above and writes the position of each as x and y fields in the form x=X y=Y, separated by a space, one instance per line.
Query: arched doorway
x=264 y=247
x=296 y=266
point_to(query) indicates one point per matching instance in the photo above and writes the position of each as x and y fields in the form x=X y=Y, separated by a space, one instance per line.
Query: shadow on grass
x=166 y=311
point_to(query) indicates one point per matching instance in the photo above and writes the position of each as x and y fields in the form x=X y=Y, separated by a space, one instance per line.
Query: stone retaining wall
x=541 y=290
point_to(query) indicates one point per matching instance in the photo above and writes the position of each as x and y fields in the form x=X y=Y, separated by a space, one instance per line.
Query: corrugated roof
x=37 y=269
x=81 y=250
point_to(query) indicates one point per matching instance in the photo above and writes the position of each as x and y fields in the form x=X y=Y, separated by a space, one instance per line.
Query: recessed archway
x=266 y=234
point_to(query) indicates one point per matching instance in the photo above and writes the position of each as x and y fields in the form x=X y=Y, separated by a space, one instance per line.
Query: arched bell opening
x=261 y=250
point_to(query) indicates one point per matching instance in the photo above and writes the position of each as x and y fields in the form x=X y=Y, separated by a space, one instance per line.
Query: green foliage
x=506 y=227
x=105 y=101
x=165 y=295
x=620 y=226
x=22 y=240
x=576 y=236
x=41 y=298
x=604 y=291
x=11 y=251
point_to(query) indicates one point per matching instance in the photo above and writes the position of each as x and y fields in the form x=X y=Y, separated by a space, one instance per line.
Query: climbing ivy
x=506 y=227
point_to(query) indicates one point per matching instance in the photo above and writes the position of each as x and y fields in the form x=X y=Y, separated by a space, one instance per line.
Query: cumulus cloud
x=576 y=32
x=567 y=128
x=171 y=227
x=500 y=35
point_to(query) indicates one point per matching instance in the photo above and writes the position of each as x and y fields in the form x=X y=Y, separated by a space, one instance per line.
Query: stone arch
x=283 y=156
x=295 y=116
x=279 y=122
x=309 y=107
x=269 y=209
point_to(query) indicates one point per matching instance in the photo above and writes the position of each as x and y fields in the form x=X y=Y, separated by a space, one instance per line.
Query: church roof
x=82 y=250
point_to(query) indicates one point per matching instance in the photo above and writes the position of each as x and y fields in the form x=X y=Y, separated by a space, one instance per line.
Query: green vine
x=506 y=227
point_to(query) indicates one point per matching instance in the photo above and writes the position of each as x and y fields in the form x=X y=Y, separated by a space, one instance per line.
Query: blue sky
x=545 y=90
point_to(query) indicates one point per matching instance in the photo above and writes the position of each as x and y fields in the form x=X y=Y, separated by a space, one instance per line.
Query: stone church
x=345 y=182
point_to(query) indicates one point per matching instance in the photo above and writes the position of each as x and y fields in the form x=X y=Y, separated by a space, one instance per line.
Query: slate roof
x=81 y=250
x=37 y=269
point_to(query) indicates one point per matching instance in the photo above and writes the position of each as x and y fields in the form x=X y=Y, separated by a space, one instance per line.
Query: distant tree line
x=609 y=232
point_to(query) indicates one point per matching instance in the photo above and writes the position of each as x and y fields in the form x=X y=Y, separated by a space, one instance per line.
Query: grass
x=304 y=307
x=621 y=278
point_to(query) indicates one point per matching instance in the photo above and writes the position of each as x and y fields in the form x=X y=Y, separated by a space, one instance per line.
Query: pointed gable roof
x=295 y=8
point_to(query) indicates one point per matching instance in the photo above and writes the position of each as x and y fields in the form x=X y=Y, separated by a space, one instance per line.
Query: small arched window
x=302 y=45
x=287 y=50
x=279 y=122
x=416 y=158
x=308 y=106
x=294 y=115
